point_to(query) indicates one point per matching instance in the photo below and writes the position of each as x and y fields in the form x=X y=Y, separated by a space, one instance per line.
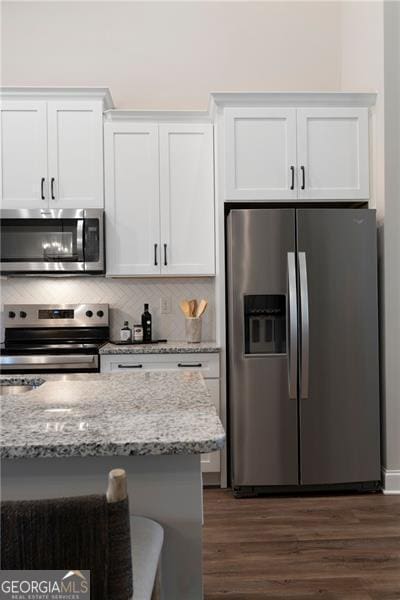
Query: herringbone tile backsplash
x=125 y=297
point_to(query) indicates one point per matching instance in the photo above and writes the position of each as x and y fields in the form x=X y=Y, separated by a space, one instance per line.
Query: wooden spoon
x=201 y=307
x=193 y=307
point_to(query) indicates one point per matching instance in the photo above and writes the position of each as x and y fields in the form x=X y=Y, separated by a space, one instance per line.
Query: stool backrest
x=77 y=533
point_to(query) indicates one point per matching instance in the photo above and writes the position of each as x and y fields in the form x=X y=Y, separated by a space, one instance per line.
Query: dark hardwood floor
x=343 y=547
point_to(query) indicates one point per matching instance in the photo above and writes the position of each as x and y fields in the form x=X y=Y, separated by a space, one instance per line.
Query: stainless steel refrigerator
x=303 y=366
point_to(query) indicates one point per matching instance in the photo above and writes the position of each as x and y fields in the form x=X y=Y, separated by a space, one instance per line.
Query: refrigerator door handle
x=292 y=325
x=305 y=333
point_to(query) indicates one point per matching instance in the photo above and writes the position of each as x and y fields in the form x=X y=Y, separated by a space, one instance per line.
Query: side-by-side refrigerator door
x=338 y=371
x=262 y=346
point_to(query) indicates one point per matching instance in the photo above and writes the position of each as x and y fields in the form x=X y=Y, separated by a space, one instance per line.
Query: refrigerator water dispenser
x=265 y=324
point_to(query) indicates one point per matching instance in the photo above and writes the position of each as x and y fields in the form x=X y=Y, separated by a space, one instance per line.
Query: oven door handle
x=79 y=240
x=43 y=361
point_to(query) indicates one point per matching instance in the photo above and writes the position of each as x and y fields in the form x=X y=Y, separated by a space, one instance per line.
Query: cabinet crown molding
x=181 y=116
x=58 y=93
x=294 y=99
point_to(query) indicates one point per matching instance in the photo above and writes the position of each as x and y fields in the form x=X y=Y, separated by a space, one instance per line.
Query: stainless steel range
x=48 y=338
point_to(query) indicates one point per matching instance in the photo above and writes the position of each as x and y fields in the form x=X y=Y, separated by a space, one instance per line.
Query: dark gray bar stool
x=89 y=532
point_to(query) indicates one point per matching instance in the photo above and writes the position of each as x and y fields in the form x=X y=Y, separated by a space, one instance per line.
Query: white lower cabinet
x=207 y=364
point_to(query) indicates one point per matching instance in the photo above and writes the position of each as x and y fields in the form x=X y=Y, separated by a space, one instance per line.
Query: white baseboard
x=391 y=481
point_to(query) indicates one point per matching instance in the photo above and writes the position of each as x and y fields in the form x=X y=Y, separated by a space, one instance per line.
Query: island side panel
x=165 y=488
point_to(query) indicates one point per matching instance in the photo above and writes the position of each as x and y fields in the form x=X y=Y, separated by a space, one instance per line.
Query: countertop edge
x=168 y=348
x=128 y=449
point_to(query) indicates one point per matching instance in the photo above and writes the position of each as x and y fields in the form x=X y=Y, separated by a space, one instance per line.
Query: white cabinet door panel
x=207 y=364
x=211 y=463
x=260 y=153
x=333 y=150
x=132 y=199
x=24 y=155
x=187 y=199
x=75 y=154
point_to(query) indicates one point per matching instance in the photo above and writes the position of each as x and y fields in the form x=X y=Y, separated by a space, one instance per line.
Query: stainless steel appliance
x=52 y=241
x=303 y=379
x=47 y=338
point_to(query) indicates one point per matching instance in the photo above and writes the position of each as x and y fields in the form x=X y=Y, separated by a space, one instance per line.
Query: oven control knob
x=11 y=314
x=100 y=313
x=89 y=313
x=22 y=314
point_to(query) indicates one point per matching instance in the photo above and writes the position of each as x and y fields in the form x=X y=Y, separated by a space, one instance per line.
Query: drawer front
x=207 y=364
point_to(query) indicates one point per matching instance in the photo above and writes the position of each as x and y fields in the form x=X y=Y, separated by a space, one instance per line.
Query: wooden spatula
x=201 y=307
x=185 y=308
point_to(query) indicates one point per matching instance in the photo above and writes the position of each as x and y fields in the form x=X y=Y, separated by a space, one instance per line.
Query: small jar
x=138 y=333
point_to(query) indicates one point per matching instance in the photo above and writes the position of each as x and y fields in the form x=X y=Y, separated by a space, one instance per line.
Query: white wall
x=362 y=70
x=371 y=61
x=172 y=54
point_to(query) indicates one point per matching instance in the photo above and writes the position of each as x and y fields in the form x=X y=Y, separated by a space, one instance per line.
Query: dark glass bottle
x=146 y=324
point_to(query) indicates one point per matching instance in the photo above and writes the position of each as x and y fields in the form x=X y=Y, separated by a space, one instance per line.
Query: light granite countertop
x=110 y=415
x=162 y=348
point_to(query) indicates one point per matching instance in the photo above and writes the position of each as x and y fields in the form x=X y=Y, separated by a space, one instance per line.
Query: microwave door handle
x=292 y=325
x=79 y=239
x=305 y=327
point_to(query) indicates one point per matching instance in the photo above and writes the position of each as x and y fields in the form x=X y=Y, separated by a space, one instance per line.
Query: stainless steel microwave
x=52 y=241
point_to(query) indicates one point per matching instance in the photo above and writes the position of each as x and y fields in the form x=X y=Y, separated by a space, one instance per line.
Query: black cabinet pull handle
x=292 y=184
x=52 y=188
x=155 y=255
x=42 y=189
x=130 y=366
x=303 y=178
x=189 y=366
x=165 y=255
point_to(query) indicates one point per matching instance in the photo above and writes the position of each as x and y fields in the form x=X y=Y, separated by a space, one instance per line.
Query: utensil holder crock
x=193 y=330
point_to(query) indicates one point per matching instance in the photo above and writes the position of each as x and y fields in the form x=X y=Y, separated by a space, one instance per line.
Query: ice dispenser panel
x=265 y=324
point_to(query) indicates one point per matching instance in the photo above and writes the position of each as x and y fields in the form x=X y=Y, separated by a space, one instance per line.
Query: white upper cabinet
x=332 y=150
x=159 y=197
x=260 y=157
x=187 y=199
x=75 y=135
x=132 y=199
x=52 y=147
x=23 y=154
x=314 y=147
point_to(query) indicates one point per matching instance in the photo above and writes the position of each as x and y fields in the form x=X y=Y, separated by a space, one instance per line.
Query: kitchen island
x=62 y=438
